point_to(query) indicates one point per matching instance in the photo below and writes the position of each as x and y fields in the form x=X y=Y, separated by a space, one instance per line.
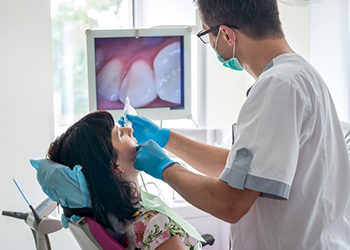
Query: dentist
x=285 y=182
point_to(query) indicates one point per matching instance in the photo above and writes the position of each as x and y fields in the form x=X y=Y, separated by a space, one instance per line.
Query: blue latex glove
x=145 y=129
x=152 y=159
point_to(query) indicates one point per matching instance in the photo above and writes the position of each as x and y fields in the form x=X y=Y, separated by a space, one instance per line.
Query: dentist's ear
x=229 y=34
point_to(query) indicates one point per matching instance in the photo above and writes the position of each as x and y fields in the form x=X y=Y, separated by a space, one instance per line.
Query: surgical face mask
x=232 y=63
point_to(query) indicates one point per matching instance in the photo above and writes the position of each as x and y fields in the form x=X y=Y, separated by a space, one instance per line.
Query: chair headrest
x=62 y=184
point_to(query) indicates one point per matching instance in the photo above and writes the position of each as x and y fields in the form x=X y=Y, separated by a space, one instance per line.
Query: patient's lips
x=138 y=84
x=168 y=73
x=109 y=80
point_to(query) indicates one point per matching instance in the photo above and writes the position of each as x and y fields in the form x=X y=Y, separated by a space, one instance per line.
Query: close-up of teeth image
x=147 y=69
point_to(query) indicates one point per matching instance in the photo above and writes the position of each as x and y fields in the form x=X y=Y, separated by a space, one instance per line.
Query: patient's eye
x=121 y=133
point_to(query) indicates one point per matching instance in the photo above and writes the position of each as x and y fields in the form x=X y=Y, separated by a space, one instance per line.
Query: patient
x=106 y=153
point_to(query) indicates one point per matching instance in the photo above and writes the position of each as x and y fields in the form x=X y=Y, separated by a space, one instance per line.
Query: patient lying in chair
x=105 y=155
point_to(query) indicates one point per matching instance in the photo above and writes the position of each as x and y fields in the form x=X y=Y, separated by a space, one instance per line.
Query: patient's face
x=124 y=143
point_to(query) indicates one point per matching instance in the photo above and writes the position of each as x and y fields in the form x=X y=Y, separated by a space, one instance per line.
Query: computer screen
x=150 y=66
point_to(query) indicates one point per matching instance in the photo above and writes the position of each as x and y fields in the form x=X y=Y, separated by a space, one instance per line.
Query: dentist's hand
x=145 y=129
x=152 y=159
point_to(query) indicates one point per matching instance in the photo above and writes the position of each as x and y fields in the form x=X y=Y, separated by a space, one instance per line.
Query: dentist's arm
x=207 y=159
x=207 y=193
x=210 y=194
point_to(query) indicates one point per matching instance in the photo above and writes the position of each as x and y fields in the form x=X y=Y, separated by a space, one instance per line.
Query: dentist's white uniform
x=288 y=144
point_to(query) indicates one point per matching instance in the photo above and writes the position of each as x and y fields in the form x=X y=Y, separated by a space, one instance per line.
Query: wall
x=329 y=40
x=150 y=13
x=26 y=111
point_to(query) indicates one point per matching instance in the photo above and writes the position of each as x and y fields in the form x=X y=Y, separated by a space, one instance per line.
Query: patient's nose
x=128 y=131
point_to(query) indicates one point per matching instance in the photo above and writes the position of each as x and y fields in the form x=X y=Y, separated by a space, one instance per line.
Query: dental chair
x=56 y=179
x=91 y=235
x=68 y=188
x=87 y=232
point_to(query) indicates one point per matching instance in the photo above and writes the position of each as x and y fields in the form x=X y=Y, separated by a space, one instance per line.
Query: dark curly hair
x=88 y=143
x=257 y=19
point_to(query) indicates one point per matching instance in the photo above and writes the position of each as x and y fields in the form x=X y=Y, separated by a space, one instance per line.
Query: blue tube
x=21 y=192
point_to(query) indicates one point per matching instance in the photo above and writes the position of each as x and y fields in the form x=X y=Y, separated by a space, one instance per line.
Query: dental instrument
x=36 y=216
x=38 y=221
x=128 y=109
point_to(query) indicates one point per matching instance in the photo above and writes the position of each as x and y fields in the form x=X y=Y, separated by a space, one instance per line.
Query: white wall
x=330 y=50
x=150 y=13
x=26 y=112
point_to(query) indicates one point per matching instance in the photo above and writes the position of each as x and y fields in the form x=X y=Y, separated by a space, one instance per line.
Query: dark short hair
x=256 y=19
x=88 y=143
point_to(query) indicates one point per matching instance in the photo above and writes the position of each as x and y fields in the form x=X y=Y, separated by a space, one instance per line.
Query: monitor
x=150 y=66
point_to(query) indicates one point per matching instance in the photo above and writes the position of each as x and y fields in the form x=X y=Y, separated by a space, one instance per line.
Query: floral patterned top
x=149 y=229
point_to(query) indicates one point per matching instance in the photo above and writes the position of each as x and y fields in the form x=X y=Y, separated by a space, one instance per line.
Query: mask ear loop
x=234 y=45
x=217 y=39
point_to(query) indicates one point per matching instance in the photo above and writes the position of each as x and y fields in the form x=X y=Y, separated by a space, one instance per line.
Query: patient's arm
x=173 y=243
x=207 y=159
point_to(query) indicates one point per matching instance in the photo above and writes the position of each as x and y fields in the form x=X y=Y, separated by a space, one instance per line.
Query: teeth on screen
x=138 y=84
x=109 y=80
x=167 y=73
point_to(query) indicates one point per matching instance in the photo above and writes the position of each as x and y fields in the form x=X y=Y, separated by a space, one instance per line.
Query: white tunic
x=288 y=144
